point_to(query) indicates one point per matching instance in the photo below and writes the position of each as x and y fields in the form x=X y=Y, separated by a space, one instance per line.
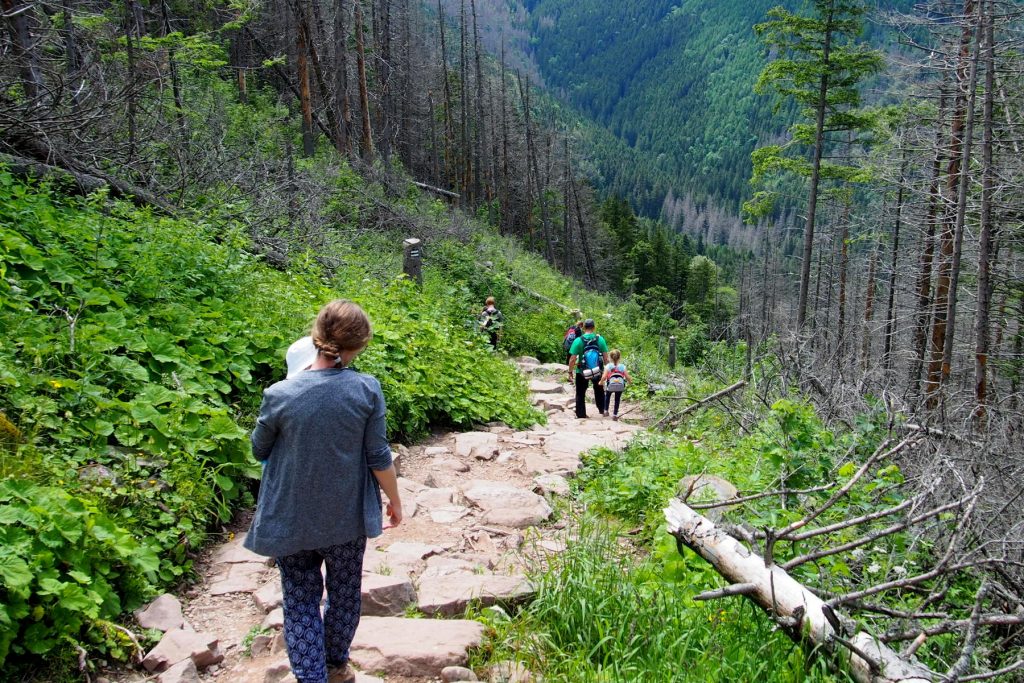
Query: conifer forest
x=815 y=206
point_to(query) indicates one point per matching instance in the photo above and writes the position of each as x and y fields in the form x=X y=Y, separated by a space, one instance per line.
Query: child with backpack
x=588 y=356
x=615 y=379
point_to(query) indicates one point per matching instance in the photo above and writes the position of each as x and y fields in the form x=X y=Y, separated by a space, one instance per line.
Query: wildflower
x=857 y=553
x=874 y=568
x=899 y=570
x=56 y=384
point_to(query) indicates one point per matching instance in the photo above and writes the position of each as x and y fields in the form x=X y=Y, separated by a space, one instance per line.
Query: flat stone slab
x=163 y=614
x=507 y=505
x=435 y=498
x=450 y=594
x=234 y=553
x=559 y=463
x=540 y=387
x=274 y=619
x=244 y=577
x=269 y=596
x=552 y=368
x=449 y=513
x=408 y=557
x=413 y=647
x=571 y=443
x=179 y=645
x=386 y=596
x=183 y=672
x=475 y=444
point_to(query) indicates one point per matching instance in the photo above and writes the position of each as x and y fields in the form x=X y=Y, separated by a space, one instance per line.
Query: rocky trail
x=478 y=510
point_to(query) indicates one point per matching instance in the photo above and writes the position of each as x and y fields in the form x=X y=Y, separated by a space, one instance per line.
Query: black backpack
x=570 y=336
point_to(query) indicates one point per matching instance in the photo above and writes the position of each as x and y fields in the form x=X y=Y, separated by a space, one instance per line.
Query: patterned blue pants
x=314 y=643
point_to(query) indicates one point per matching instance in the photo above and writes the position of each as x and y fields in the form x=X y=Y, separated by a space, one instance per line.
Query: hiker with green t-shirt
x=587 y=358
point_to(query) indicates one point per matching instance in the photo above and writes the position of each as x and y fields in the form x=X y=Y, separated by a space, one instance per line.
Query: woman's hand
x=393 y=511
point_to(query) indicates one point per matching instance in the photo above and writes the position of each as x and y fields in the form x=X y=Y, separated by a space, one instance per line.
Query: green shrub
x=65 y=568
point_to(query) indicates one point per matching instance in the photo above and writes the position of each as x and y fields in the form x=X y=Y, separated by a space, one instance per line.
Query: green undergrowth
x=781 y=446
x=604 y=612
x=135 y=351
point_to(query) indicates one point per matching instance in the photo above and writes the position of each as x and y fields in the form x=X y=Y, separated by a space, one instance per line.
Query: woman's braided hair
x=341 y=326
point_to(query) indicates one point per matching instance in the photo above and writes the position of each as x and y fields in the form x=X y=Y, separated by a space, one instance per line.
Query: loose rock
x=163 y=614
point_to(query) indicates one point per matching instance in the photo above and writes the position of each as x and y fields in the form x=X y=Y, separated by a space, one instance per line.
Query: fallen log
x=804 y=616
x=704 y=401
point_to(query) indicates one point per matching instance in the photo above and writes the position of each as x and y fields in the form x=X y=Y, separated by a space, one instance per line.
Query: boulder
x=413 y=647
x=706 y=488
x=386 y=596
x=163 y=614
x=510 y=672
x=262 y=642
x=454 y=465
x=553 y=484
x=450 y=674
x=507 y=505
x=179 y=645
x=278 y=672
x=183 y=672
x=434 y=451
x=527 y=360
x=473 y=444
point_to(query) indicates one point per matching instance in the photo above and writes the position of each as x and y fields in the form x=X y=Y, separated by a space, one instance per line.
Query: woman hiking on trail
x=321 y=434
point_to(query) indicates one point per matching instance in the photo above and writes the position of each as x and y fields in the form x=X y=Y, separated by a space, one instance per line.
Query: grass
x=603 y=612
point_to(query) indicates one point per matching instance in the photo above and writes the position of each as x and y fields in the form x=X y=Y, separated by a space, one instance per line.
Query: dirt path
x=471 y=500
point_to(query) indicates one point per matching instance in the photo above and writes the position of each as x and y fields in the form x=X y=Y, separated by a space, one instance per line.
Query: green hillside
x=672 y=81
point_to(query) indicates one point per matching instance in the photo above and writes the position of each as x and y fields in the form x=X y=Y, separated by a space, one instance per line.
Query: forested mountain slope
x=671 y=79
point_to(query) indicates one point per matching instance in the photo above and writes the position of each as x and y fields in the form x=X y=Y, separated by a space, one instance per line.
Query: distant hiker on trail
x=589 y=355
x=491 y=321
x=322 y=435
x=574 y=332
x=614 y=381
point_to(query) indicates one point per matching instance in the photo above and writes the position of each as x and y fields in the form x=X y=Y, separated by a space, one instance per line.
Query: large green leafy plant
x=135 y=352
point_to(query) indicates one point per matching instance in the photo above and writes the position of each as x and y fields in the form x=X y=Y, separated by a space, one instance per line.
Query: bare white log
x=788 y=601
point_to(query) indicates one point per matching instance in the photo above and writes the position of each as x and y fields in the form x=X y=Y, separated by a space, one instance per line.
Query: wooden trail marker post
x=412 y=264
x=672 y=352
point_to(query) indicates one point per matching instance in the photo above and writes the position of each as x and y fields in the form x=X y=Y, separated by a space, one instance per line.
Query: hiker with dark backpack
x=614 y=380
x=574 y=332
x=588 y=356
x=491 y=321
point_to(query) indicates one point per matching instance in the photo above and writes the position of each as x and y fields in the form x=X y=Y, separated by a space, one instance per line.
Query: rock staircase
x=478 y=509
